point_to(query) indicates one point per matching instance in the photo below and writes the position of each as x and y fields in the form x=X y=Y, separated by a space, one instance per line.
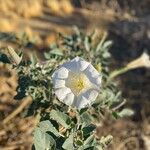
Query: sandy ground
x=127 y=24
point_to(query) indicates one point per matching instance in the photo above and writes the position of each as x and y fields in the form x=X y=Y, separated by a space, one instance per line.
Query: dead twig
x=25 y=103
x=120 y=105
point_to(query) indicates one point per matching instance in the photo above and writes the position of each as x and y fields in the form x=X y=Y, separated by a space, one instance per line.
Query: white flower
x=142 y=61
x=76 y=83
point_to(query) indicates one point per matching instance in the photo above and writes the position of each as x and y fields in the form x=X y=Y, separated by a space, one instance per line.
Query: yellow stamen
x=77 y=82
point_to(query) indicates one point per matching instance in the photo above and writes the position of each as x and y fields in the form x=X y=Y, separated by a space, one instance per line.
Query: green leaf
x=88 y=129
x=86 y=118
x=56 y=51
x=7 y=37
x=87 y=43
x=53 y=45
x=107 y=44
x=4 y=58
x=48 y=126
x=106 y=55
x=99 y=46
x=43 y=141
x=61 y=118
x=79 y=143
x=33 y=57
x=86 y=147
x=83 y=110
x=68 y=144
x=47 y=55
x=115 y=115
x=23 y=84
x=126 y=112
x=89 y=140
x=98 y=147
x=91 y=148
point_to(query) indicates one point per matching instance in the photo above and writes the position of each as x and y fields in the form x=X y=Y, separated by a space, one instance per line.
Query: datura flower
x=76 y=83
x=142 y=61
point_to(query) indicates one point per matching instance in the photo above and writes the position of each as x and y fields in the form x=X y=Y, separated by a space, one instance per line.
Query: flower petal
x=58 y=83
x=68 y=100
x=81 y=102
x=72 y=65
x=83 y=64
x=99 y=80
x=86 y=98
x=93 y=75
x=61 y=73
x=61 y=93
x=90 y=95
x=76 y=65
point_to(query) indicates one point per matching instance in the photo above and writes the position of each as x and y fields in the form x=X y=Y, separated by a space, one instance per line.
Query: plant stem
x=117 y=72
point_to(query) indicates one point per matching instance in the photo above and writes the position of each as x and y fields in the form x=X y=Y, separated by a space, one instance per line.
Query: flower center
x=77 y=82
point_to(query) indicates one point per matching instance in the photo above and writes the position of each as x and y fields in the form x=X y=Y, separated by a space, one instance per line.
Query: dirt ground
x=127 y=24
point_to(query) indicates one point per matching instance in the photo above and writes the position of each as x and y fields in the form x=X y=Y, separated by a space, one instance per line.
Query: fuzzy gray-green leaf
x=126 y=112
x=61 y=118
x=68 y=144
x=43 y=141
x=46 y=126
x=56 y=51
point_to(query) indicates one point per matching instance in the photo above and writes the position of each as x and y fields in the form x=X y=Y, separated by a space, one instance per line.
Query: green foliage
x=88 y=129
x=61 y=127
x=43 y=141
x=4 y=58
x=68 y=144
x=47 y=126
x=8 y=37
x=126 y=112
x=61 y=118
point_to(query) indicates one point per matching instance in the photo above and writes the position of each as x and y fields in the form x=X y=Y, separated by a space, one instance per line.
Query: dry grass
x=26 y=8
x=15 y=131
x=60 y=7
